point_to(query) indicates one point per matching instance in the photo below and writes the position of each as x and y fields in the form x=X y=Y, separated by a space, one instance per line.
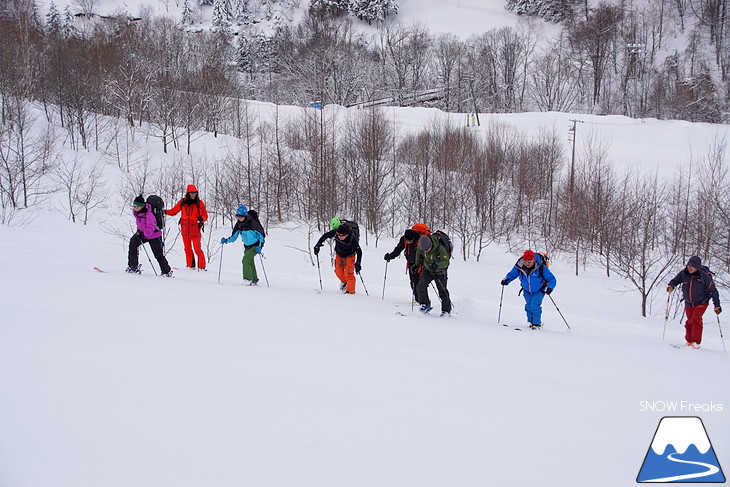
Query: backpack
x=255 y=215
x=421 y=228
x=544 y=258
x=444 y=240
x=354 y=229
x=158 y=209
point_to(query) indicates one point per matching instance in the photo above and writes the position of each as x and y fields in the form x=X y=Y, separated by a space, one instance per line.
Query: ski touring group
x=427 y=257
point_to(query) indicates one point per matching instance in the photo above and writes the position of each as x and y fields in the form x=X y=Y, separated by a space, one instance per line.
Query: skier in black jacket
x=697 y=289
x=348 y=256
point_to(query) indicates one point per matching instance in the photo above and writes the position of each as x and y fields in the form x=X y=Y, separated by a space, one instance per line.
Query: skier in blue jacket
x=252 y=234
x=536 y=280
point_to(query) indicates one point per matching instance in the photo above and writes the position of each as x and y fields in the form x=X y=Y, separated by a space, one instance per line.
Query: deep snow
x=123 y=380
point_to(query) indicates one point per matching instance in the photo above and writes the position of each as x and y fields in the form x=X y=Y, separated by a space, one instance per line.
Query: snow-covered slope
x=119 y=380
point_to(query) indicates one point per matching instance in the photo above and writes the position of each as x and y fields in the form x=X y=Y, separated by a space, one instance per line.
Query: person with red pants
x=192 y=218
x=348 y=256
x=697 y=289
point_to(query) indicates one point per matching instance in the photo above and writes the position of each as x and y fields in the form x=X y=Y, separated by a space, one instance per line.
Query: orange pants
x=693 y=326
x=190 y=244
x=345 y=270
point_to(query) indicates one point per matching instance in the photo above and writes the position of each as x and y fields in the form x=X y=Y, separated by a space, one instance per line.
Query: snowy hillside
x=471 y=16
x=117 y=380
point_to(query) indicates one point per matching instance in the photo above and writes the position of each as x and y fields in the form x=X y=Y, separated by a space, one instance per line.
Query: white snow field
x=118 y=380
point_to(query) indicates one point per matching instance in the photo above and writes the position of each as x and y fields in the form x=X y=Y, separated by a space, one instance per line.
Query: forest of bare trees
x=123 y=81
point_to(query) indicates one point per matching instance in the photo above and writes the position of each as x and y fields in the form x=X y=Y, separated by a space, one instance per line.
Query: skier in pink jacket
x=147 y=232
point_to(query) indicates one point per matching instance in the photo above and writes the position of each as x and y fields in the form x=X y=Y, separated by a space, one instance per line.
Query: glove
x=200 y=219
x=224 y=240
x=316 y=250
x=718 y=310
x=358 y=268
x=670 y=289
x=548 y=290
x=433 y=268
x=504 y=282
x=388 y=258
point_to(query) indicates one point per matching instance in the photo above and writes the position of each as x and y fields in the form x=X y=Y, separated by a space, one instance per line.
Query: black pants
x=155 y=244
x=414 y=277
x=422 y=290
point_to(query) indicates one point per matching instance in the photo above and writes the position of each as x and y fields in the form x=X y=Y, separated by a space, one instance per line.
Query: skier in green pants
x=252 y=235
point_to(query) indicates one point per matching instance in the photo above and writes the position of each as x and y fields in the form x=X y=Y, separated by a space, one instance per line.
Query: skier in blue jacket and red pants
x=536 y=280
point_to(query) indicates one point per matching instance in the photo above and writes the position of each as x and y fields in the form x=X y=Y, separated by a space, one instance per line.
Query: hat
x=528 y=255
x=343 y=230
x=411 y=235
x=695 y=262
x=425 y=243
x=242 y=211
x=191 y=189
x=335 y=223
x=139 y=201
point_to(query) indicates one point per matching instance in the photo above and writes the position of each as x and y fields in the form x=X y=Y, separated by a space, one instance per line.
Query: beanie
x=335 y=223
x=139 y=201
x=528 y=255
x=411 y=235
x=242 y=211
x=191 y=189
x=343 y=229
x=695 y=262
x=425 y=243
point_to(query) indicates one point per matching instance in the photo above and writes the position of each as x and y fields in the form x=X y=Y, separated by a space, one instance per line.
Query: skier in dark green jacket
x=432 y=260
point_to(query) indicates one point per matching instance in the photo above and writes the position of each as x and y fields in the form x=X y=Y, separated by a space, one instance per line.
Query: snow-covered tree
x=54 y=25
x=241 y=12
x=221 y=18
x=322 y=7
x=550 y=10
x=187 y=14
x=373 y=10
x=68 y=29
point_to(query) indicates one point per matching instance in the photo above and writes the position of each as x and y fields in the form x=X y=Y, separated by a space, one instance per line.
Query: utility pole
x=571 y=138
x=470 y=78
x=571 y=188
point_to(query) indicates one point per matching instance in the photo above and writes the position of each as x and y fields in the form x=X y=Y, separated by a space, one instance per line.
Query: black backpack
x=353 y=227
x=158 y=209
x=445 y=241
x=255 y=215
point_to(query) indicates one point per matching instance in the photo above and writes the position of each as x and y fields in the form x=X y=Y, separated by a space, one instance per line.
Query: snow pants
x=693 y=326
x=345 y=270
x=422 y=289
x=413 y=277
x=155 y=244
x=533 y=306
x=192 y=249
x=249 y=266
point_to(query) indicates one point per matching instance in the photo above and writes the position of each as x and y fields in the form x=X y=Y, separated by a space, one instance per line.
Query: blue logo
x=681 y=452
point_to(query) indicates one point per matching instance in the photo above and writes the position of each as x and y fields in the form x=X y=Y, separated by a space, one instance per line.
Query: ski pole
x=499 y=316
x=220 y=265
x=264 y=269
x=319 y=271
x=148 y=258
x=561 y=314
x=666 y=316
x=385 y=276
x=721 y=337
x=363 y=284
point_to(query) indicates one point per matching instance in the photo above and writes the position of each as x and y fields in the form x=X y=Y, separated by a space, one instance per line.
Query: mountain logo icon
x=681 y=452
